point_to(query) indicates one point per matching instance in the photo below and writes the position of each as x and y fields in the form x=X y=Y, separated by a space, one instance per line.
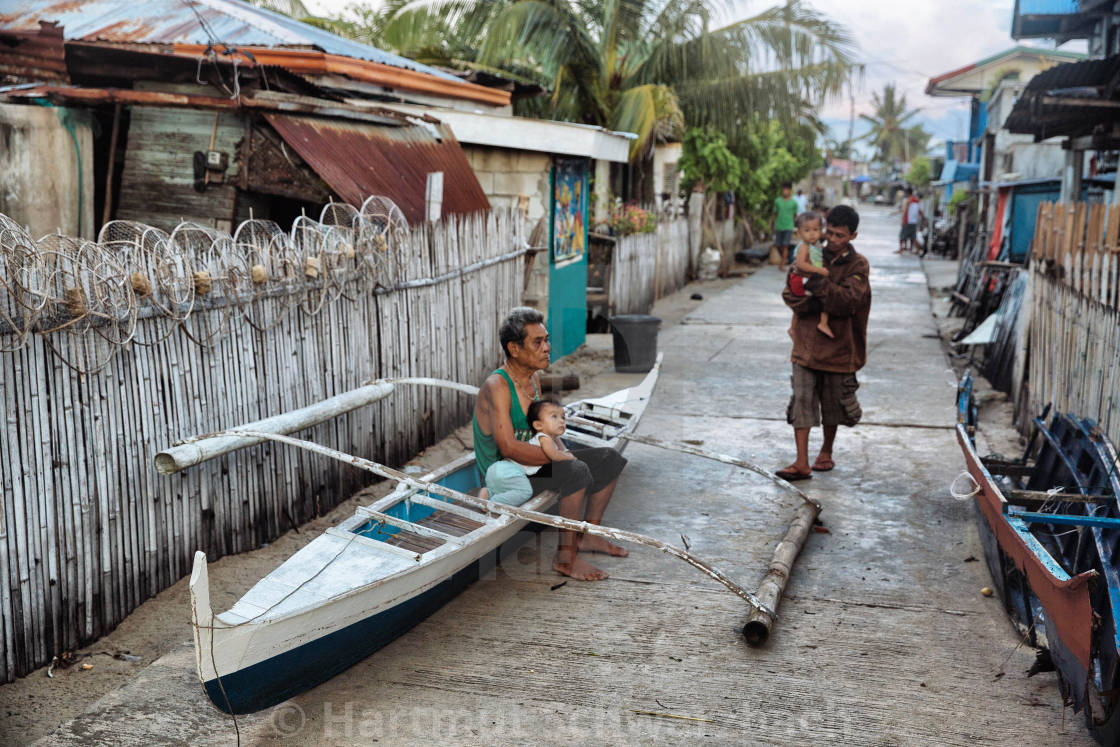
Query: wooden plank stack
x=1075 y=312
x=89 y=530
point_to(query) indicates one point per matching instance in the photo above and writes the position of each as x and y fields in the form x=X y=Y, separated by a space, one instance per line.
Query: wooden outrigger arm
x=558 y=522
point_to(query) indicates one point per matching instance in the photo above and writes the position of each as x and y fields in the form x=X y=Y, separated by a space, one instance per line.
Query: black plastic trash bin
x=635 y=342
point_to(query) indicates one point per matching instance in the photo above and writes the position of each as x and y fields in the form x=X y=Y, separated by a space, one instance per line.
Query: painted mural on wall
x=570 y=178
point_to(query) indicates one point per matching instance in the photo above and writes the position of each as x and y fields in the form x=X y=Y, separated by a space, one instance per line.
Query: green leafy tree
x=920 y=172
x=294 y=8
x=706 y=162
x=772 y=155
x=643 y=66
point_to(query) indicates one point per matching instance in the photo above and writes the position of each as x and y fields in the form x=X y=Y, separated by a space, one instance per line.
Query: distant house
x=991 y=85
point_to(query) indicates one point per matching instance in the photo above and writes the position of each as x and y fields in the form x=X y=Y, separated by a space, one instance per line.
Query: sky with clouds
x=901 y=41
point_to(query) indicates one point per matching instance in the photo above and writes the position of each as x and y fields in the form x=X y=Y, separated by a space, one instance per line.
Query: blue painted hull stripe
x=275 y=680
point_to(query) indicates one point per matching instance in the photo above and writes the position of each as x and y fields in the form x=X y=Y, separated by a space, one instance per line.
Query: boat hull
x=1066 y=598
x=299 y=669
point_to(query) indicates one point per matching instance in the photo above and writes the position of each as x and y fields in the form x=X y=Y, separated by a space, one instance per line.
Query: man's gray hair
x=513 y=328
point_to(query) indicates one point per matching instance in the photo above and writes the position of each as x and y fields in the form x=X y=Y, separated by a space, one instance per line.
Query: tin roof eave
x=522 y=133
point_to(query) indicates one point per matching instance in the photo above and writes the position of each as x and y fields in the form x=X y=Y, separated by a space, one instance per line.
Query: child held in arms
x=508 y=481
x=808 y=261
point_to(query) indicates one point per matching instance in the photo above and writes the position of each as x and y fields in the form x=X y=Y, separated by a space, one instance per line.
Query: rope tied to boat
x=964 y=496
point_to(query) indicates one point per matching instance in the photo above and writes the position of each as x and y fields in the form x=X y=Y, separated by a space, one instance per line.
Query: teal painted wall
x=567 y=279
x=567 y=306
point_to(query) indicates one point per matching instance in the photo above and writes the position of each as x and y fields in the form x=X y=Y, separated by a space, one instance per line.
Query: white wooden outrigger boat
x=362 y=583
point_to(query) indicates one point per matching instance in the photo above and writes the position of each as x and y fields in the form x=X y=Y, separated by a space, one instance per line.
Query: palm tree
x=837 y=148
x=889 y=135
x=294 y=8
x=642 y=66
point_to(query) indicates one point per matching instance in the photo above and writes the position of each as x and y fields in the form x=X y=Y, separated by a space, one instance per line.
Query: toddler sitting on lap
x=508 y=481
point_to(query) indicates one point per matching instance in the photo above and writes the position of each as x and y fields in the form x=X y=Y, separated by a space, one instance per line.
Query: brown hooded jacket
x=846 y=295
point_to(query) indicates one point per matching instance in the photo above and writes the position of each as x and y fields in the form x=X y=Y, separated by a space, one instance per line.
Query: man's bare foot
x=825 y=329
x=578 y=568
x=591 y=543
x=484 y=494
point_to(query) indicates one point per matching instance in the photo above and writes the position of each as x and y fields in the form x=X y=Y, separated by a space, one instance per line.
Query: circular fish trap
x=160 y=277
x=111 y=294
x=309 y=246
x=205 y=252
x=349 y=272
x=86 y=314
x=388 y=232
x=340 y=266
x=263 y=245
x=23 y=280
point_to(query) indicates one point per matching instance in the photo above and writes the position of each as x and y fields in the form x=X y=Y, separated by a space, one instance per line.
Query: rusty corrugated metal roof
x=178 y=21
x=33 y=55
x=358 y=160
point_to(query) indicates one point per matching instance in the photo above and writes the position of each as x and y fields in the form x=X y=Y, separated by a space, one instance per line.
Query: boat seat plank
x=407 y=526
x=414 y=542
x=450 y=523
x=1068 y=519
x=1000 y=467
x=1039 y=497
x=467 y=512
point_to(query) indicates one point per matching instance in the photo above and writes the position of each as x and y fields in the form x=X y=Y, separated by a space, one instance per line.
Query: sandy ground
x=33 y=706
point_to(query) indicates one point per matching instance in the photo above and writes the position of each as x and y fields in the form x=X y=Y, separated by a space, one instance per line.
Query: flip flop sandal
x=791 y=476
x=823 y=465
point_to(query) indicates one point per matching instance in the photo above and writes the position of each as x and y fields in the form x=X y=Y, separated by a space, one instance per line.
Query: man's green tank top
x=485 y=447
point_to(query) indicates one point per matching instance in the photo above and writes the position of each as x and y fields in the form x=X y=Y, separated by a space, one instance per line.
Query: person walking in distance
x=911 y=216
x=785 y=210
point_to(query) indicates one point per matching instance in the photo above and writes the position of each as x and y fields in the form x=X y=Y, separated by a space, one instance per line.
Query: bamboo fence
x=648 y=266
x=1075 y=313
x=113 y=350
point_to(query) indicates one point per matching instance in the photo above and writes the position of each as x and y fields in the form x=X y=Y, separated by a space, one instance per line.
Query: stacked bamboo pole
x=89 y=530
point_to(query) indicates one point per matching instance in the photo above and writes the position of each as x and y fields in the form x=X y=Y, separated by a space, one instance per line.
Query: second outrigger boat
x=1050 y=526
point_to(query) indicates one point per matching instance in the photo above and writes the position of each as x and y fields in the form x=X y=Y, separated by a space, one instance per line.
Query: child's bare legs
x=823 y=325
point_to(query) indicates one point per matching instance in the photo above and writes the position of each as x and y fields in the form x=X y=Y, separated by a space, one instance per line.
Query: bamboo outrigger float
x=369 y=579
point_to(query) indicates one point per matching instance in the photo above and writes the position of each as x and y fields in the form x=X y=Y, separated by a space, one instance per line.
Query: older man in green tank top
x=501 y=431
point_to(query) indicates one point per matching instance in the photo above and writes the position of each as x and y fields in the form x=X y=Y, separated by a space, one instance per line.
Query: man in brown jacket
x=824 y=368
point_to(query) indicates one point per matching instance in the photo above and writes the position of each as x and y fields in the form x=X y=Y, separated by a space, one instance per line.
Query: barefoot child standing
x=808 y=261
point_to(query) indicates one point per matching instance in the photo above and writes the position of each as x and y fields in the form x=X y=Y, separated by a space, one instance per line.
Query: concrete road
x=883 y=636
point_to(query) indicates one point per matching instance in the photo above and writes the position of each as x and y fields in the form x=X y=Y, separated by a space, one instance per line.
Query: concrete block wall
x=512 y=178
